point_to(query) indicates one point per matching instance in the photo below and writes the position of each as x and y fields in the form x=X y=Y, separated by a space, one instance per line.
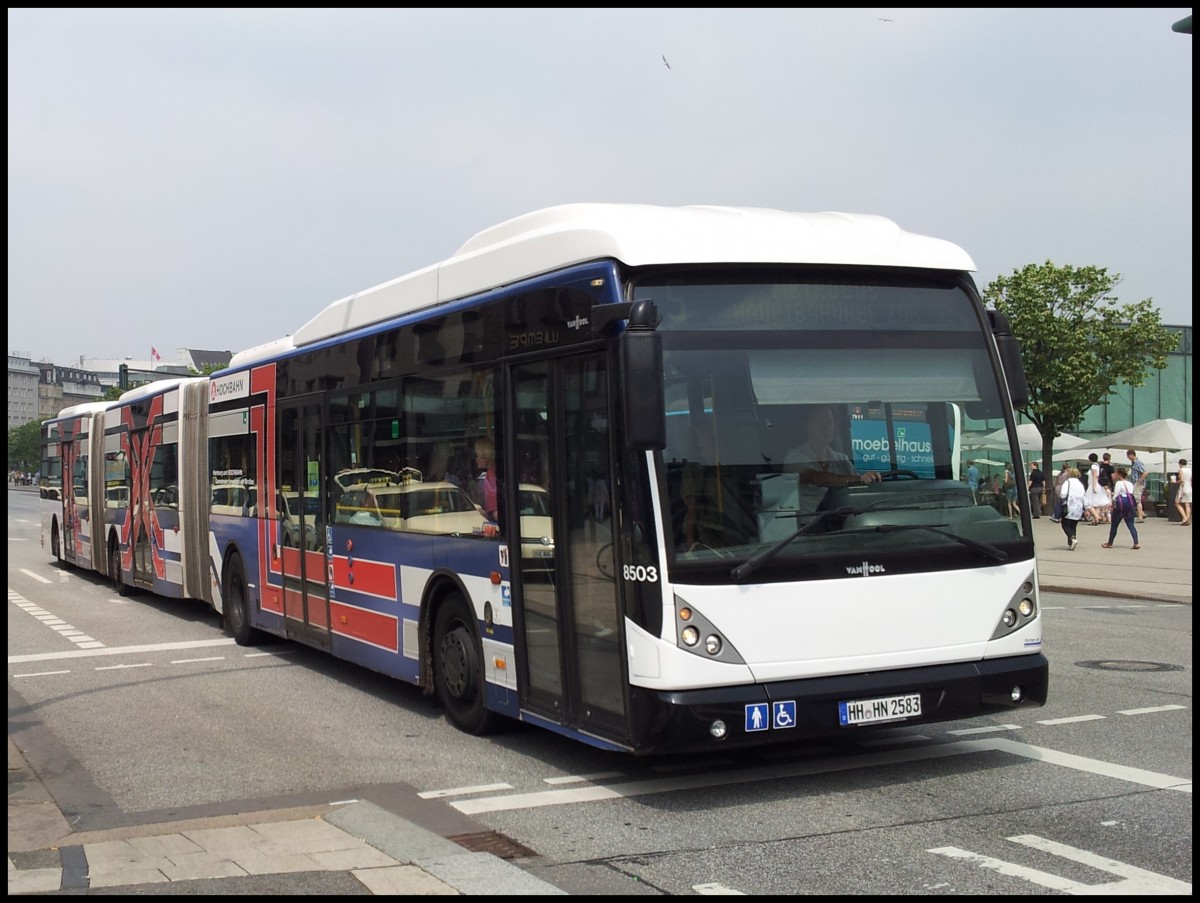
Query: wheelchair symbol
x=785 y=714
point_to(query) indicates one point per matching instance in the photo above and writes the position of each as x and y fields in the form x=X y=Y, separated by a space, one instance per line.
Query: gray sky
x=213 y=178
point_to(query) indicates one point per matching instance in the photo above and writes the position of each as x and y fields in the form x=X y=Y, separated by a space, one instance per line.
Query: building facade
x=22 y=391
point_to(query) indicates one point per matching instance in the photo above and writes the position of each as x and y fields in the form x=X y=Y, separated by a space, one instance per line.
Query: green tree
x=24 y=447
x=1077 y=341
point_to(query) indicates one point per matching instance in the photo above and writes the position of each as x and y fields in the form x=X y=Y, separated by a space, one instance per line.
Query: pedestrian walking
x=1072 y=495
x=1124 y=507
x=1064 y=474
x=1137 y=476
x=1010 y=492
x=1096 y=501
x=1037 y=486
x=1183 y=496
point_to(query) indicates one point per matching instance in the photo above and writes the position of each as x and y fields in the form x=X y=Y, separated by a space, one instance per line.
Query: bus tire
x=55 y=543
x=120 y=587
x=458 y=668
x=237 y=607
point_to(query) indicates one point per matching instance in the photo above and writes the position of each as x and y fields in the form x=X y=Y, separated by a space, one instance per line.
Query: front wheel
x=458 y=668
x=237 y=606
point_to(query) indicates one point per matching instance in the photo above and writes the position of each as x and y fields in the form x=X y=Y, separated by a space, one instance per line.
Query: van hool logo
x=577 y=323
x=866 y=568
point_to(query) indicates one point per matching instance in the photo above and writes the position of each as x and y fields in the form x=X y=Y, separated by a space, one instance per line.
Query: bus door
x=74 y=495
x=300 y=522
x=568 y=622
x=144 y=499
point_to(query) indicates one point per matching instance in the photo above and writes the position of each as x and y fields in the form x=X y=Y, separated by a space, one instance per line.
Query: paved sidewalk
x=1160 y=570
x=354 y=849
x=361 y=848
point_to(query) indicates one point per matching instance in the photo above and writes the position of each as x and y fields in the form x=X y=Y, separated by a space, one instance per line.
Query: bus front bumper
x=815 y=709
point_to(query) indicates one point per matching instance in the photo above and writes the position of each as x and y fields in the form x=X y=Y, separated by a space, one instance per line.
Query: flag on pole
x=154 y=355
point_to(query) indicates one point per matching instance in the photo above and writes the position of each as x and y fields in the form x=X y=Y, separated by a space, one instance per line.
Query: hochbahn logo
x=228 y=387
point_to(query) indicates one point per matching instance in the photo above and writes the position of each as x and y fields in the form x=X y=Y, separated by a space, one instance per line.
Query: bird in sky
x=665 y=63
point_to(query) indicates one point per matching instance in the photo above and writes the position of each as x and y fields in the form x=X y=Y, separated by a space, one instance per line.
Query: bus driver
x=818 y=463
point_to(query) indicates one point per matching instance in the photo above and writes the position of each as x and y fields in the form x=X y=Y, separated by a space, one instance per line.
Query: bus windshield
x=824 y=415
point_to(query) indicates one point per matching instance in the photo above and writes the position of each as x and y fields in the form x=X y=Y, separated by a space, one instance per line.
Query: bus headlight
x=691 y=626
x=1022 y=608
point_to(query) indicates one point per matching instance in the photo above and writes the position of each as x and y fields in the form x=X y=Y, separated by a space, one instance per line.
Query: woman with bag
x=1071 y=494
x=1124 y=507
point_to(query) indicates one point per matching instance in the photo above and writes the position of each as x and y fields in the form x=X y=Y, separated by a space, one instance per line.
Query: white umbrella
x=1163 y=435
x=1028 y=439
x=1157 y=435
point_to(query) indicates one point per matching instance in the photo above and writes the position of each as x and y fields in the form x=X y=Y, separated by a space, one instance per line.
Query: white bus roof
x=82 y=409
x=264 y=351
x=636 y=235
x=154 y=387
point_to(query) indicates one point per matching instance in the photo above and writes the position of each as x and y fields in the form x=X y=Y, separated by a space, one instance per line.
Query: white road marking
x=1150 y=710
x=990 y=729
x=1093 y=766
x=597 y=792
x=55 y=623
x=1074 y=720
x=37 y=577
x=117 y=650
x=711 y=890
x=460 y=791
x=1134 y=880
x=123 y=665
x=584 y=778
x=42 y=673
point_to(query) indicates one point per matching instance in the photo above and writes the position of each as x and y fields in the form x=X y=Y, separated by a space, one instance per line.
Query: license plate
x=885 y=708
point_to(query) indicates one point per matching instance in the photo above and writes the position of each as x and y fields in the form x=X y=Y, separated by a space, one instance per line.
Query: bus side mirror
x=641 y=387
x=1010 y=359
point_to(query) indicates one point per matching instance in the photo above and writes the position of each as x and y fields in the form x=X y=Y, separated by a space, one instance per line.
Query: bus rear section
x=122 y=495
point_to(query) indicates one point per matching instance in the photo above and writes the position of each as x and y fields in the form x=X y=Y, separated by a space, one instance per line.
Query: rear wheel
x=237 y=605
x=114 y=568
x=55 y=543
x=458 y=668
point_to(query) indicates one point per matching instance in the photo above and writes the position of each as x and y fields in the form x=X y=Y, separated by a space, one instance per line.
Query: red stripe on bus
x=376 y=578
x=368 y=626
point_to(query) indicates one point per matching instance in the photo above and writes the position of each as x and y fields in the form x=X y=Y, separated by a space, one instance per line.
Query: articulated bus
x=555 y=478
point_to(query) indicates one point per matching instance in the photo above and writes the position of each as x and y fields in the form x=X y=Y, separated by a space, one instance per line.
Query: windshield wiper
x=748 y=567
x=983 y=548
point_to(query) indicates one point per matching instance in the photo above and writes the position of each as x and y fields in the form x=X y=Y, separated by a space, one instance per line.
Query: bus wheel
x=114 y=569
x=458 y=668
x=55 y=543
x=237 y=608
